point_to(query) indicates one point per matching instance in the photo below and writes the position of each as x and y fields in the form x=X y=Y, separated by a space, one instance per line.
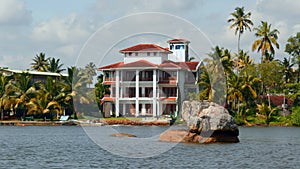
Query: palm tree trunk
x=239 y=38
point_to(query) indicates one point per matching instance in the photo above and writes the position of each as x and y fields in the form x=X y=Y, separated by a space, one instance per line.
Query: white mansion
x=151 y=81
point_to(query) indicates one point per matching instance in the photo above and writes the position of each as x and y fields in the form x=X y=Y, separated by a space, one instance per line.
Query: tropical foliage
x=250 y=86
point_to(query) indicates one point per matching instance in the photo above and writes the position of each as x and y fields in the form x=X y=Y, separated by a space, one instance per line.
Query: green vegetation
x=21 y=95
x=249 y=85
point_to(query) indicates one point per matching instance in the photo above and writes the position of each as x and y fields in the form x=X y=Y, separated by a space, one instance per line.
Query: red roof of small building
x=178 y=41
x=145 y=47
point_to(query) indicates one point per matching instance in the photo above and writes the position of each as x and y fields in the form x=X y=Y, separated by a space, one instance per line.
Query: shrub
x=296 y=116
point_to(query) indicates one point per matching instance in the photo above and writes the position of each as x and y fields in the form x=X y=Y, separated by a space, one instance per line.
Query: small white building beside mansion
x=151 y=81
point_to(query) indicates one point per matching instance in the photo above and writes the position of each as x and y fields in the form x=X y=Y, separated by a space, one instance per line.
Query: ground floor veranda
x=127 y=109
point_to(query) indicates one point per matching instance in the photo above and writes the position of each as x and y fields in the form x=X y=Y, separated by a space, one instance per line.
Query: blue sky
x=61 y=28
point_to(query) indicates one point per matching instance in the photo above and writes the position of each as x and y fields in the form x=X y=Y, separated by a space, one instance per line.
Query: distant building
x=36 y=76
x=151 y=81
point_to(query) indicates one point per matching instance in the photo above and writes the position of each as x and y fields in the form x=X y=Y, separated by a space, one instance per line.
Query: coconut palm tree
x=240 y=21
x=23 y=89
x=288 y=69
x=249 y=85
x=4 y=81
x=267 y=38
x=243 y=60
x=75 y=86
x=206 y=92
x=55 y=66
x=43 y=104
x=234 y=91
x=40 y=63
x=90 y=71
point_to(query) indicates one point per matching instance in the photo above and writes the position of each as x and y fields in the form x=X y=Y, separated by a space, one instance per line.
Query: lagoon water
x=70 y=147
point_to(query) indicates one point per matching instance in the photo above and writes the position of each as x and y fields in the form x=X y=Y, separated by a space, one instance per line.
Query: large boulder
x=207 y=122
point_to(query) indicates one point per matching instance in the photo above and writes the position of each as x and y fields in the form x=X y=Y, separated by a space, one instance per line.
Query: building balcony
x=168 y=80
x=168 y=99
x=109 y=80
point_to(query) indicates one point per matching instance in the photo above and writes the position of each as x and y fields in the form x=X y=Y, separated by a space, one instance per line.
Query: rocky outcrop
x=207 y=122
x=123 y=135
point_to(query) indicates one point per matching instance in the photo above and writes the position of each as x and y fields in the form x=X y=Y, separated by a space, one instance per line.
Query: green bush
x=296 y=116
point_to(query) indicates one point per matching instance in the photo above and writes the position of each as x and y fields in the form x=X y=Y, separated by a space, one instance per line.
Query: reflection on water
x=70 y=147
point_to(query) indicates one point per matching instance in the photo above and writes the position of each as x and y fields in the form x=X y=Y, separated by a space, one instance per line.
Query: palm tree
x=74 y=85
x=265 y=112
x=240 y=21
x=249 y=84
x=243 y=60
x=234 y=92
x=42 y=104
x=40 y=63
x=205 y=86
x=23 y=90
x=267 y=37
x=55 y=66
x=288 y=69
x=90 y=71
x=4 y=81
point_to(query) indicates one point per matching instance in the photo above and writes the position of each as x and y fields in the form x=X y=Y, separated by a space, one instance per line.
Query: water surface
x=70 y=147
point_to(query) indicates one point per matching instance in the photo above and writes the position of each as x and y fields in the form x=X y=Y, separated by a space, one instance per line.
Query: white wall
x=158 y=59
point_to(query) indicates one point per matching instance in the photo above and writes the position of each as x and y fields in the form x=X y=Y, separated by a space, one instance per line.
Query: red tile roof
x=185 y=65
x=111 y=66
x=145 y=47
x=178 y=40
x=139 y=63
x=169 y=64
x=143 y=63
x=192 y=65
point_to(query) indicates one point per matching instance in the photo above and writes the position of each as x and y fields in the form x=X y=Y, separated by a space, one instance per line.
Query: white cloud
x=61 y=30
x=279 y=8
x=296 y=28
x=14 y=12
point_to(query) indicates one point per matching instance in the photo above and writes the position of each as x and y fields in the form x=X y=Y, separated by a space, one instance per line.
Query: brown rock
x=184 y=136
x=123 y=135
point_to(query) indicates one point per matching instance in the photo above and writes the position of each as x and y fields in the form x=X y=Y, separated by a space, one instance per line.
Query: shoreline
x=109 y=122
x=85 y=123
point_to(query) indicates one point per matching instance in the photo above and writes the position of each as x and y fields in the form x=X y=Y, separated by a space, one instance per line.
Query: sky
x=81 y=31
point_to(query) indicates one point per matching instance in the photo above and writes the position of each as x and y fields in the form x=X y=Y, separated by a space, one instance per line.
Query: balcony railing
x=171 y=80
x=110 y=79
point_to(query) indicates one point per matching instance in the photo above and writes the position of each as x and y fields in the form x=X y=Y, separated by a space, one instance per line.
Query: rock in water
x=207 y=122
x=123 y=135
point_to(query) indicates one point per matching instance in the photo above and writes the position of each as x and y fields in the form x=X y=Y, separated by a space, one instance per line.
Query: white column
x=121 y=88
x=143 y=109
x=117 y=93
x=154 y=99
x=143 y=91
x=124 y=109
x=137 y=93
